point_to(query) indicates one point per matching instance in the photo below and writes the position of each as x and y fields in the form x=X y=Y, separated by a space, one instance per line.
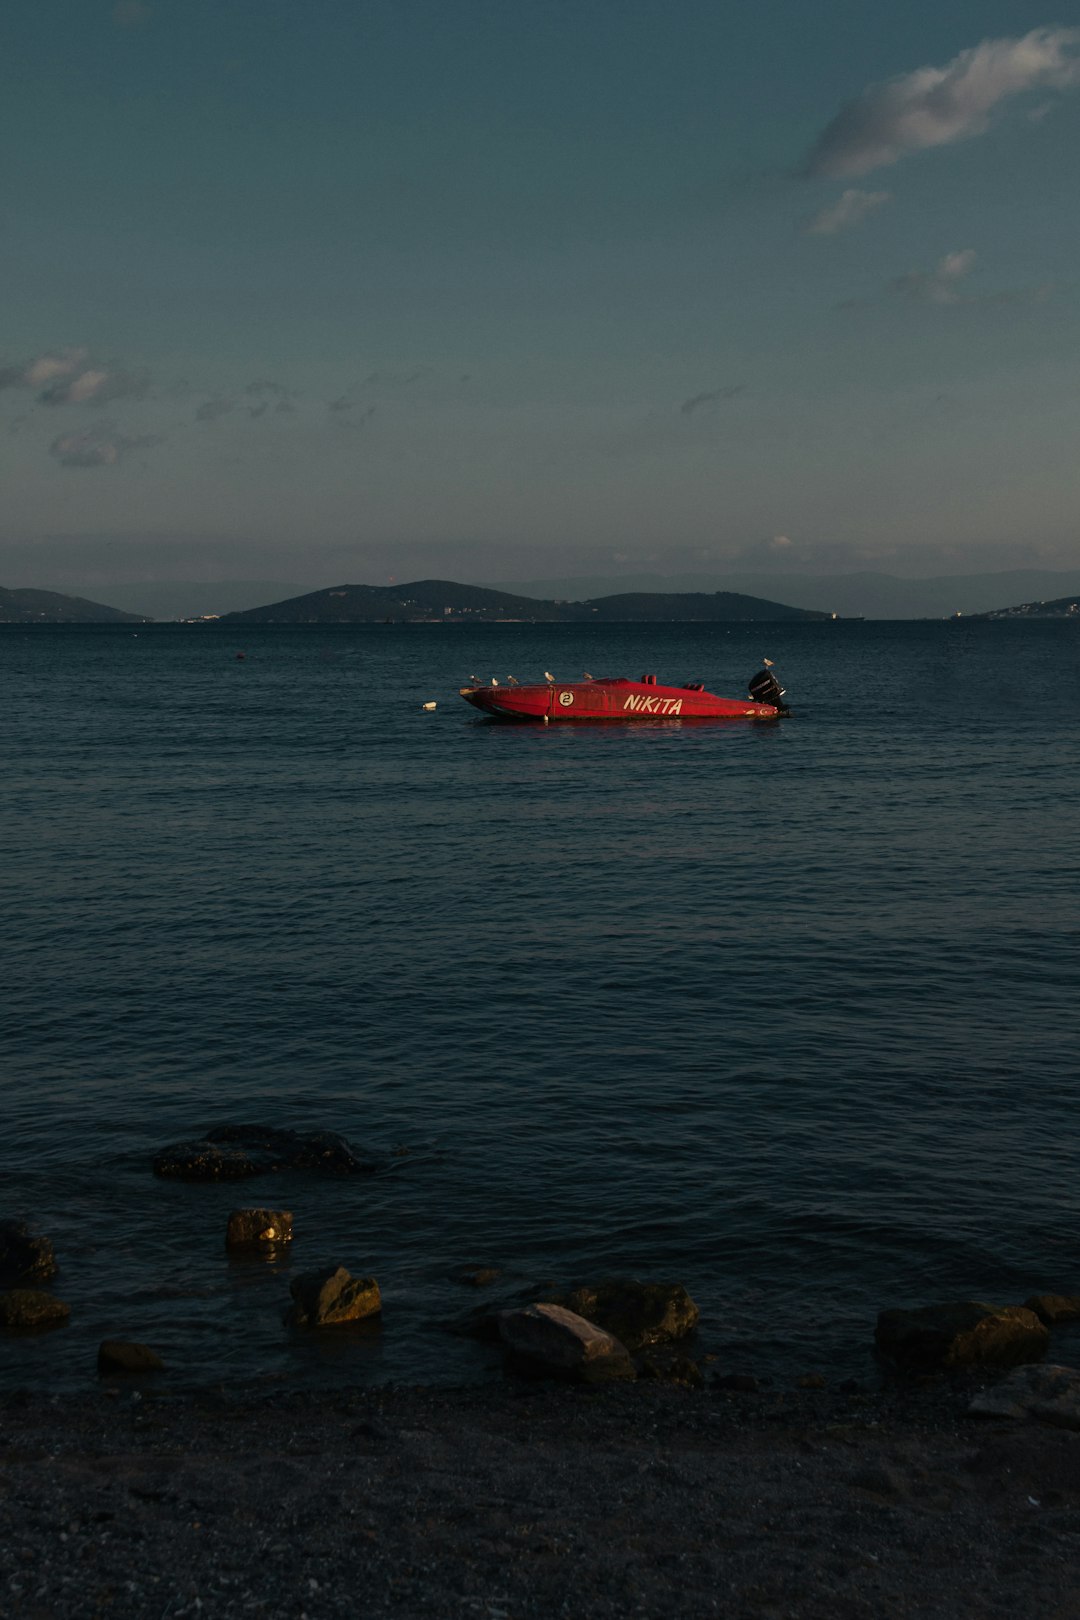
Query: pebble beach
x=530 y=1499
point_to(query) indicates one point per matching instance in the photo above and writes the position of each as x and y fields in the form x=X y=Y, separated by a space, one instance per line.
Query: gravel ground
x=519 y=1500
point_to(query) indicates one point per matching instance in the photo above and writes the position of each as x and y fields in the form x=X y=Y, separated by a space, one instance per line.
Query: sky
x=327 y=290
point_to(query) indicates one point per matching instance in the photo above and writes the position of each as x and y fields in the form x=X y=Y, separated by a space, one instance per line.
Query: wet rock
x=258 y=1228
x=1046 y=1394
x=478 y=1276
x=236 y=1152
x=24 y=1255
x=206 y=1161
x=1051 y=1308
x=22 y=1310
x=810 y=1381
x=558 y=1342
x=638 y=1314
x=961 y=1333
x=669 y=1368
x=327 y=1298
x=122 y=1356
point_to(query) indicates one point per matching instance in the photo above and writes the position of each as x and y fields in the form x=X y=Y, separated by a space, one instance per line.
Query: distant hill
x=440 y=601
x=694 y=607
x=864 y=594
x=1065 y=607
x=50 y=607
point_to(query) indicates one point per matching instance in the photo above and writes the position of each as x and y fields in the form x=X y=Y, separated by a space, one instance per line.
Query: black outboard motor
x=765 y=688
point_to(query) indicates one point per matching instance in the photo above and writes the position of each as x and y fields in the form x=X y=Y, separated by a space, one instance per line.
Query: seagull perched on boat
x=548 y=676
x=475 y=679
x=589 y=677
x=767 y=662
x=494 y=682
x=510 y=681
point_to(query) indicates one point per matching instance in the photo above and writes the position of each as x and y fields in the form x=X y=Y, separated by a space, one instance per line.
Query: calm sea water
x=785 y=1012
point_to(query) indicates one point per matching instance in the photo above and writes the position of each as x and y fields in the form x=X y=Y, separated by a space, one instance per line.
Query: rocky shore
x=531 y=1499
x=618 y=1469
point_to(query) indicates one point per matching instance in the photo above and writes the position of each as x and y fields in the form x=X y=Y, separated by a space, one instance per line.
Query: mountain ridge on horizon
x=1006 y=594
x=866 y=593
x=443 y=600
x=26 y=605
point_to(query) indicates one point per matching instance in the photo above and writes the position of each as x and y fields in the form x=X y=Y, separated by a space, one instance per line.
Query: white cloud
x=50 y=366
x=95 y=386
x=935 y=106
x=938 y=286
x=849 y=208
x=85 y=386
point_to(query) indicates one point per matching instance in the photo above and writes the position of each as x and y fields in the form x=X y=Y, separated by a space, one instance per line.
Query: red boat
x=616 y=698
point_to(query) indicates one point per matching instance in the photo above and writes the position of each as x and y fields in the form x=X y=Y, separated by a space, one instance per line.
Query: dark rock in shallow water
x=121 y=1356
x=1051 y=1308
x=258 y=1228
x=324 y=1151
x=961 y=1333
x=205 y=1161
x=24 y=1309
x=561 y=1344
x=237 y=1152
x=638 y=1314
x=24 y=1256
x=477 y=1276
x=326 y=1298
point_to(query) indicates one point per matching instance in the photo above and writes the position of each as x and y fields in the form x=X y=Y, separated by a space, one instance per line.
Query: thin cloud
x=935 y=106
x=99 y=446
x=46 y=368
x=262 y=392
x=211 y=409
x=697 y=402
x=95 y=386
x=62 y=377
x=396 y=379
x=849 y=208
x=940 y=285
x=50 y=366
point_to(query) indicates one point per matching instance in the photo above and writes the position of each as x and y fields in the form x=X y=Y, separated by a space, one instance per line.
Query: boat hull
x=610 y=700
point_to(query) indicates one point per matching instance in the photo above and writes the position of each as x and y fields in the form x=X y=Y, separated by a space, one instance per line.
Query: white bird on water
x=475 y=680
